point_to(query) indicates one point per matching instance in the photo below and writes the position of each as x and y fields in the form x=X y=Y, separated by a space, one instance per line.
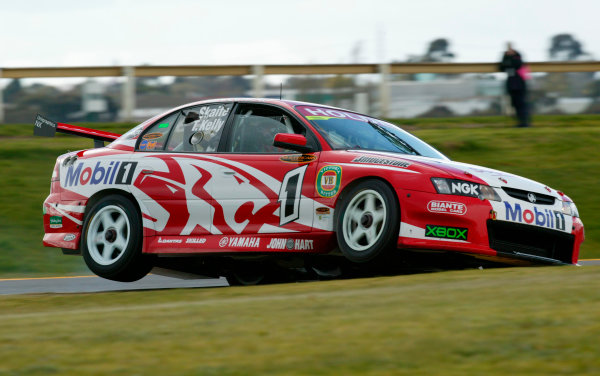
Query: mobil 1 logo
x=104 y=172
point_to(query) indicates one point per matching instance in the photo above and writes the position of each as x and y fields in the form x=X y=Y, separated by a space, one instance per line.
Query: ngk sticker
x=447 y=207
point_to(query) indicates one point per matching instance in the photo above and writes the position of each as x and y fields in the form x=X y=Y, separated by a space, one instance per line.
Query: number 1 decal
x=289 y=195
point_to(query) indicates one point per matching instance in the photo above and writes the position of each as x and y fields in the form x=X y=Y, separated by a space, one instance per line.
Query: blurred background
x=430 y=66
x=254 y=39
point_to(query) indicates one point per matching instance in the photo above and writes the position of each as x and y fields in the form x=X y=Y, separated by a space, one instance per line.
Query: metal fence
x=260 y=71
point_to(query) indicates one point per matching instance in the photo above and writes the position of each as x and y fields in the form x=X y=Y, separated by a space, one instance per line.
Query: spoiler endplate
x=47 y=128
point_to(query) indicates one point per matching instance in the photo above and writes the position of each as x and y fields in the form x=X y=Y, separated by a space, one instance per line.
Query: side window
x=199 y=129
x=255 y=127
x=156 y=136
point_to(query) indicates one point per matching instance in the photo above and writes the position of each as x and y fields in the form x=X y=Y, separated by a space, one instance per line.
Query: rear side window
x=156 y=137
x=199 y=129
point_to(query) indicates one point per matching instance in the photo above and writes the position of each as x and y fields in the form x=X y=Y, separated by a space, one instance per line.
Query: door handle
x=147 y=171
x=228 y=172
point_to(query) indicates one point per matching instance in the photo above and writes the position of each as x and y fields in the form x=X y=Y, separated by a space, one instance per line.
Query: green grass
x=519 y=321
x=499 y=121
x=560 y=151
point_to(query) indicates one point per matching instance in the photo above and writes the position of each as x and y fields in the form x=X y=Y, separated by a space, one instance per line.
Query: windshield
x=346 y=130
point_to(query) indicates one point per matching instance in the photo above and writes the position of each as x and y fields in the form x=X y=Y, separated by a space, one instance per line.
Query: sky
x=55 y=33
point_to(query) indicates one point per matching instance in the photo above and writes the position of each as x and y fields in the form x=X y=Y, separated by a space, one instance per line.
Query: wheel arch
x=357 y=181
x=96 y=197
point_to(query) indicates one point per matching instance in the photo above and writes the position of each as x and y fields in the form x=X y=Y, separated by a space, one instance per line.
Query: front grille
x=516 y=238
x=540 y=199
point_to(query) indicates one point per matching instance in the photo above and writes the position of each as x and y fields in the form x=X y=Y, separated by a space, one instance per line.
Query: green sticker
x=328 y=180
x=444 y=232
x=163 y=125
x=55 y=222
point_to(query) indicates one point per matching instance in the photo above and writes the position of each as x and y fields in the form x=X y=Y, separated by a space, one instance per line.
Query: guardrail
x=259 y=71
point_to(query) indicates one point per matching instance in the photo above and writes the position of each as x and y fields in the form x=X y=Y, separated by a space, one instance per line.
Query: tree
x=12 y=91
x=438 y=51
x=565 y=47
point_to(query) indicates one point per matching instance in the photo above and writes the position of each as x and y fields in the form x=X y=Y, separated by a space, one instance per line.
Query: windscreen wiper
x=393 y=138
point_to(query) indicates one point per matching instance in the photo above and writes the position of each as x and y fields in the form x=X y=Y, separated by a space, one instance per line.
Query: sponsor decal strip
x=230 y=242
x=291 y=244
x=55 y=221
x=380 y=167
x=115 y=172
x=447 y=207
x=329 y=179
x=552 y=219
x=381 y=161
x=462 y=188
x=446 y=232
x=411 y=231
x=295 y=158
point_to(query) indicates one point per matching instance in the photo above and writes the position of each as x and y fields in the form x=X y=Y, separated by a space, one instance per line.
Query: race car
x=232 y=187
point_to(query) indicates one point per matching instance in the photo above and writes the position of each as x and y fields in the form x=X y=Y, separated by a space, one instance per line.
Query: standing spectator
x=516 y=86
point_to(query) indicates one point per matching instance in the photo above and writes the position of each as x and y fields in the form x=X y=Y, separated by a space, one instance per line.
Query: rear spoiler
x=47 y=128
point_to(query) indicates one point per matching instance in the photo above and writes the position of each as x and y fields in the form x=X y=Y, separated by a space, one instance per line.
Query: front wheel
x=112 y=241
x=367 y=221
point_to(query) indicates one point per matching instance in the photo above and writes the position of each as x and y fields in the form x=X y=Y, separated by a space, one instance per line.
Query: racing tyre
x=112 y=240
x=367 y=221
x=246 y=274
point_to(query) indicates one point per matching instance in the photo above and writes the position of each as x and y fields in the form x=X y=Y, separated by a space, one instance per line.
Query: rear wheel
x=112 y=241
x=367 y=221
x=246 y=274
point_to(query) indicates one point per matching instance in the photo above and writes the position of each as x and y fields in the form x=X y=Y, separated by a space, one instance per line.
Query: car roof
x=280 y=102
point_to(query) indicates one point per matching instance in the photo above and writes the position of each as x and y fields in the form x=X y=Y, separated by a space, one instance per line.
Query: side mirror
x=296 y=142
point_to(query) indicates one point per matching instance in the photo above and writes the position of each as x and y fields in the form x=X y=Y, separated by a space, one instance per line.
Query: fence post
x=128 y=94
x=384 y=90
x=1 y=100
x=258 y=89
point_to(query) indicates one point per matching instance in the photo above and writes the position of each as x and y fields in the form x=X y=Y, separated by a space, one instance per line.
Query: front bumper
x=495 y=230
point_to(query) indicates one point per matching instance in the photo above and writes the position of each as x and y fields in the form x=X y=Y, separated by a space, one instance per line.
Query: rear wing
x=47 y=128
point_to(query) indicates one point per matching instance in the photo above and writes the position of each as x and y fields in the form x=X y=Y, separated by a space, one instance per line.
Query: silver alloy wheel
x=364 y=219
x=108 y=235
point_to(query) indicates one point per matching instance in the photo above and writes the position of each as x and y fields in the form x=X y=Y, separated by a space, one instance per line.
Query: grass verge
x=534 y=321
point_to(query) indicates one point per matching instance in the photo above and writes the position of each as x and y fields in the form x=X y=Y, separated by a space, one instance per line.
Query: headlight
x=464 y=188
x=569 y=208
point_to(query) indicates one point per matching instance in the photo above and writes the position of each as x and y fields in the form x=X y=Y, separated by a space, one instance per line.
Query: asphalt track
x=91 y=284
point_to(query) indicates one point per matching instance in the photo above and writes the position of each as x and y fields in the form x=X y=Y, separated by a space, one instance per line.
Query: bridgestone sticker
x=328 y=181
x=381 y=161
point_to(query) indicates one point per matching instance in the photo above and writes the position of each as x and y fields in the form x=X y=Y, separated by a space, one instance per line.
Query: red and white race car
x=244 y=183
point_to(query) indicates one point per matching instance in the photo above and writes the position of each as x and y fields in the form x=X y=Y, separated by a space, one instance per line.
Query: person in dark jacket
x=516 y=85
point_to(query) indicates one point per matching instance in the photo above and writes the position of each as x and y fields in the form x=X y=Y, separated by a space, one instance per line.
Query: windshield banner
x=322 y=113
